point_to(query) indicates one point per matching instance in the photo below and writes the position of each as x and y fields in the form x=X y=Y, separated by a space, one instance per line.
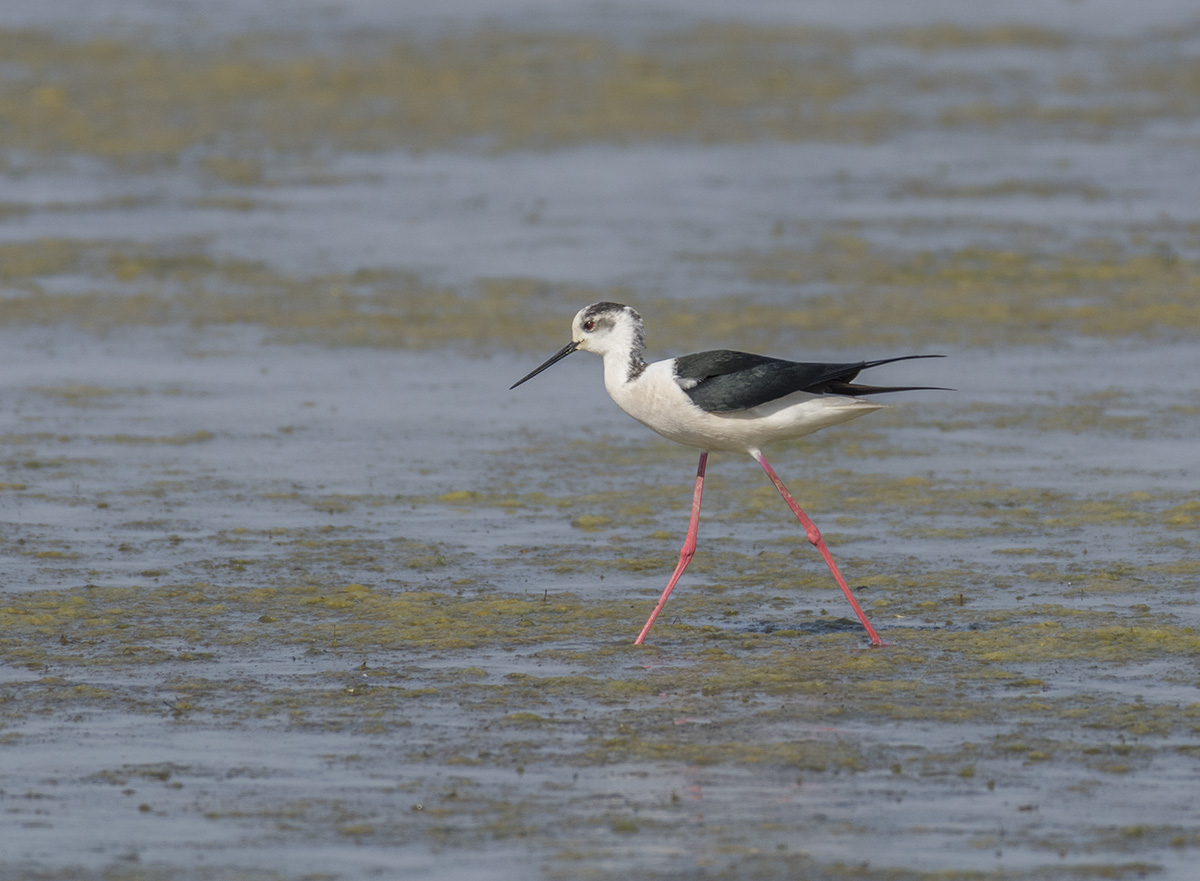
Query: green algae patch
x=177 y=440
x=525 y=720
x=112 y=628
x=113 y=625
x=793 y=756
x=401 y=664
x=591 y=522
x=502 y=90
x=1125 y=644
x=425 y=620
x=970 y=296
x=135 y=285
x=493 y=89
x=77 y=394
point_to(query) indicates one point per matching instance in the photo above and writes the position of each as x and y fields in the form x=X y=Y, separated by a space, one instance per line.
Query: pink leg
x=685 y=553
x=814 y=536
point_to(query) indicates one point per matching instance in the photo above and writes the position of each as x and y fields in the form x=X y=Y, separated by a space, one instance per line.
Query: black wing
x=723 y=381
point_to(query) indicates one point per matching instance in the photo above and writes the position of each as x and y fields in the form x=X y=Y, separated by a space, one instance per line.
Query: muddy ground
x=292 y=586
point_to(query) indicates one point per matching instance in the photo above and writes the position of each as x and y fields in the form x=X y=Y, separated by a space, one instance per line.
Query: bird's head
x=607 y=327
x=603 y=328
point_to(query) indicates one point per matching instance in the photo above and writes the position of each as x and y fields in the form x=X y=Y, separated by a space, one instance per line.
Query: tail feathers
x=845 y=387
x=866 y=364
x=855 y=388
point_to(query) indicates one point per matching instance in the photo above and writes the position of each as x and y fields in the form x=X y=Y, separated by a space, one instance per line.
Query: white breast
x=656 y=400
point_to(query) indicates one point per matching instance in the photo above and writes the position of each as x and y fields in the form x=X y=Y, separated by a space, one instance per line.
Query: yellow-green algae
x=798 y=708
x=638 y=538
x=969 y=295
x=130 y=100
x=925 y=505
x=932 y=674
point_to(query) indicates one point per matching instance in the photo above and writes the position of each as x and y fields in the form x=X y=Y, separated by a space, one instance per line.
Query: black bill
x=554 y=359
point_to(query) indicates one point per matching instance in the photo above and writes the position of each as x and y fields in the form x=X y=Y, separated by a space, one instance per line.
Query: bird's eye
x=589 y=325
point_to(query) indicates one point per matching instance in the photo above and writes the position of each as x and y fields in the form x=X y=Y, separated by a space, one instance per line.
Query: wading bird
x=723 y=400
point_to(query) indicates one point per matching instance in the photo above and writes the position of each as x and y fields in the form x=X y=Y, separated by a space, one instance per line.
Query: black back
x=723 y=381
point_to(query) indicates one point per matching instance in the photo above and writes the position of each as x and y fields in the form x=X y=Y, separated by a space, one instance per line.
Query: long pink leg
x=685 y=553
x=814 y=537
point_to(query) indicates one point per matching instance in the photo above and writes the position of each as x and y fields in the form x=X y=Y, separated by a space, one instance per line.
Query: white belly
x=655 y=400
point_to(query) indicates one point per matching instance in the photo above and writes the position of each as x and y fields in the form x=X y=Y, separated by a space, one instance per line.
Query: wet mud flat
x=223 y=660
x=291 y=586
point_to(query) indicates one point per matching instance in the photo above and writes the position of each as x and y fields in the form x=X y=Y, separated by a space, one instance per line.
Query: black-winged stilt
x=723 y=400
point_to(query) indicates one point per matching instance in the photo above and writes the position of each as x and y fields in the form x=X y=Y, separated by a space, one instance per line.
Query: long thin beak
x=554 y=359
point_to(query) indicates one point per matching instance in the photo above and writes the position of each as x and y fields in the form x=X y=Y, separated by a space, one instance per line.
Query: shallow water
x=293 y=586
